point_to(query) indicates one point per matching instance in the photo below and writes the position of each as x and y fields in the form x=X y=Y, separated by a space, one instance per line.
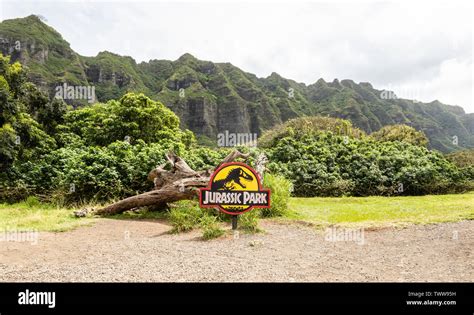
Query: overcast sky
x=421 y=51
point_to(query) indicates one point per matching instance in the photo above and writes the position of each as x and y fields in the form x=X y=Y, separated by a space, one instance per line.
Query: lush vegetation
x=299 y=127
x=22 y=137
x=342 y=161
x=54 y=158
x=133 y=117
x=463 y=158
x=104 y=151
x=96 y=153
x=401 y=133
x=281 y=189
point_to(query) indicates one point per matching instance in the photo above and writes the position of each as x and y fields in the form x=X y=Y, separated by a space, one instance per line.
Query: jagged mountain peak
x=187 y=57
x=31 y=28
x=275 y=76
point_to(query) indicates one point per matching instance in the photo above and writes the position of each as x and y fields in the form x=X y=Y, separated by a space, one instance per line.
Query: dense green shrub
x=324 y=164
x=298 y=127
x=49 y=114
x=82 y=173
x=185 y=217
x=210 y=227
x=248 y=221
x=280 y=189
x=324 y=156
x=134 y=117
x=32 y=202
x=463 y=159
x=22 y=137
x=203 y=158
x=77 y=172
x=401 y=133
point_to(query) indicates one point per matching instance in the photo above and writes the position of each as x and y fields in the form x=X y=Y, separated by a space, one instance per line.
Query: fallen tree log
x=180 y=182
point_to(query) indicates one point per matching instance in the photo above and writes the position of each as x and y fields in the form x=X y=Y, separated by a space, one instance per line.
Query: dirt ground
x=126 y=250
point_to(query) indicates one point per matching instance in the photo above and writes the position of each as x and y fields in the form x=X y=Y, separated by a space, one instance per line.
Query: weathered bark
x=179 y=183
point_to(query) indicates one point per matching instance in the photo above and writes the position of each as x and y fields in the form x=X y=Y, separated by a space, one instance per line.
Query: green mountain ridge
x=213 y=97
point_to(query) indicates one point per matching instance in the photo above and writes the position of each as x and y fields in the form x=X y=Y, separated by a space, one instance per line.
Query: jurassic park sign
x=234 y=188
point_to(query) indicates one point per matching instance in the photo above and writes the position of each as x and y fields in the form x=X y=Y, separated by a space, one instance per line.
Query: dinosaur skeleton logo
x=234 y=188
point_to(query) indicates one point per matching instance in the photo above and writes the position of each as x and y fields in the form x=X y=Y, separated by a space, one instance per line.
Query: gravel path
x=123 y=250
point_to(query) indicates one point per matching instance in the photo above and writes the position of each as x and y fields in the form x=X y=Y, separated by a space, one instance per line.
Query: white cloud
x=418 y=46
x=451 y=85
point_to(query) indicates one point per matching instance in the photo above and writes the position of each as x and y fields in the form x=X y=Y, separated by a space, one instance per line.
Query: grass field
x=382 y=211
x=322 y=212
x=33 y=215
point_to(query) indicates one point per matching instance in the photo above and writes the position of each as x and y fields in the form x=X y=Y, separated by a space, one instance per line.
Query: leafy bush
x=210 y=227
x=401 y=133
x=203 y=158
x=185 y=217
x=49 y=114
x=325 y=164
x=280 y=195
x=249 y=221
x=82 y=173
x=21 y=136
x=301 y=126
x=79 y=173
x=32 y=202
x=463 y=159
x=133 y=117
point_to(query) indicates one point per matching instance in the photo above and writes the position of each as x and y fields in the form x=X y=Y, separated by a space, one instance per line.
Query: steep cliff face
x=212 y=97
x=49 y=57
